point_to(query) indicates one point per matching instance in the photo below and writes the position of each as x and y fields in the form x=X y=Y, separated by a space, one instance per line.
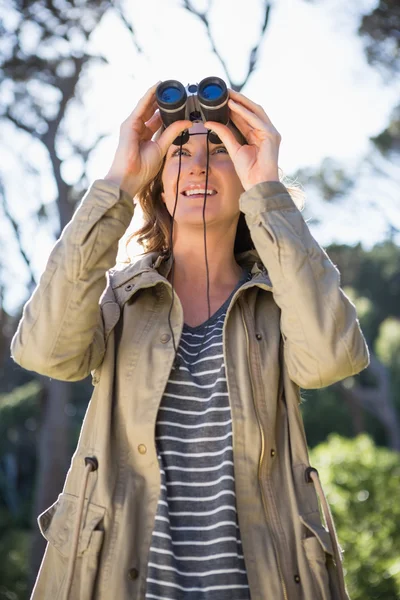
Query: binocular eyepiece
x=207 y=101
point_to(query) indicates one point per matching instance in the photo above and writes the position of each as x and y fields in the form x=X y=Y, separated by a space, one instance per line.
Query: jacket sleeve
x=323 y=342
x=61 y=330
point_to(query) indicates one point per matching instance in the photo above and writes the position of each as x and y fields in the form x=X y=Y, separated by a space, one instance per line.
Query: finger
x=143 y=107
x=140 y=124
x=256 y=108
x=148 y=112
x=154 y=122
x=226 y=136
x=152 y=125
x=249 y=116
x=241 y=124
x=170 y=133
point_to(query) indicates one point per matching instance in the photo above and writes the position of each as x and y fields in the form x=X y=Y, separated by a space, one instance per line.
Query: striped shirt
x=196 y=550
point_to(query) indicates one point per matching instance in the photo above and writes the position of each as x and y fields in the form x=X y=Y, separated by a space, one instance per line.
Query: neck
x=190 y=263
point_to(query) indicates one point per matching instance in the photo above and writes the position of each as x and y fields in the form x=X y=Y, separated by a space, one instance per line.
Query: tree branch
x=128 y=25
x=376 y=400
x=21 y=125
x=17 y=232
x=237 y=87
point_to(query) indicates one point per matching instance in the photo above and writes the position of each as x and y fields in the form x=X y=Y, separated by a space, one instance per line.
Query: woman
x=191 y=478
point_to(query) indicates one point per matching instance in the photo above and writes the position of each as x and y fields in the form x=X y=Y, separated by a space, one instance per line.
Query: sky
x=312 y=79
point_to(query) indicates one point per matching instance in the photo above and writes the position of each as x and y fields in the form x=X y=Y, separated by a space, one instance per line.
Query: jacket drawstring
x=91 y=464
x=313 y=475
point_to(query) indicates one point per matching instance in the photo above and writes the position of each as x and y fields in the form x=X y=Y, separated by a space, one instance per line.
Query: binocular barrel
x=213 y=97
x=207 y=101
x=171 y=99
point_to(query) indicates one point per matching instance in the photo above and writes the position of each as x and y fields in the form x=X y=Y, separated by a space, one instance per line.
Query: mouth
x=198 y=192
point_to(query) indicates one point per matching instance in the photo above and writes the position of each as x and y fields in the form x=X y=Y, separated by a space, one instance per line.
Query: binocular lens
x=212 y=92
x=171 y=95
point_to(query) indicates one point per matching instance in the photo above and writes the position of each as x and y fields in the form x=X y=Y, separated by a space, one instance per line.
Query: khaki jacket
x=291 y=325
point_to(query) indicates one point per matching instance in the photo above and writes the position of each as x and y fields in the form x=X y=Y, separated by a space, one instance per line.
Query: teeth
x=199 y=191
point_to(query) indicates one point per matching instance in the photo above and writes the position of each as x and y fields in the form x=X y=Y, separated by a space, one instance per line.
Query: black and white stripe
x=196 y=549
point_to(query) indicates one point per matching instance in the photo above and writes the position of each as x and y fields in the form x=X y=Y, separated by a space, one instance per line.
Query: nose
x=198 y=164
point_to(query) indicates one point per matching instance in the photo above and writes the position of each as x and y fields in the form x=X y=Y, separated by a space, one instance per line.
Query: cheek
x=233 y=180
x=169 y=178
x=169 y=186
x=165 y=180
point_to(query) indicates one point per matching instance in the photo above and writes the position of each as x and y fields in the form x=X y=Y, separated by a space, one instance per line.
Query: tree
x=19 y=417
x=379 y=29
x=43 y=59
x=370 y=401
x=362 y=483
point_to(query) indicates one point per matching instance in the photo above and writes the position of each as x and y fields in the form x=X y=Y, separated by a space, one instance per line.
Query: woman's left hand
x=258 y=160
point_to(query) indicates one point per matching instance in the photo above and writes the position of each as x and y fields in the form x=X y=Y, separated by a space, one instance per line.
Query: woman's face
x=222 y=204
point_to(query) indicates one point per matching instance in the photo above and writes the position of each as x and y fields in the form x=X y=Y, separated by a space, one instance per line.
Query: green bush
x=362 y=483
x=14 y=552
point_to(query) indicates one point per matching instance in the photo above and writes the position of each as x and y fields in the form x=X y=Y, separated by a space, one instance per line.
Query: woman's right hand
x=138 y=159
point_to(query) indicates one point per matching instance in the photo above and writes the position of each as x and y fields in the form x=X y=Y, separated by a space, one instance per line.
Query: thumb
x=170 y=133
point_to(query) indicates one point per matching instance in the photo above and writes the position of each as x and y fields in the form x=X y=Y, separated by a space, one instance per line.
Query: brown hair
x=154 y=235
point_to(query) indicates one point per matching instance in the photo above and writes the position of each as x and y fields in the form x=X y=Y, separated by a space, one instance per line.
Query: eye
x=217 y=150
x=182 y=151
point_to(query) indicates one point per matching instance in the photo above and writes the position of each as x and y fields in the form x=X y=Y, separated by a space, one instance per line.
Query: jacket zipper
x=262 y=458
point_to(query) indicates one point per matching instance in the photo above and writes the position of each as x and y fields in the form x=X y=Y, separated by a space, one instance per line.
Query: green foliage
x=365 y=310
x=324 y=411
x=371 y=279
x=380 y=28
x=374 y=275
x=387 y=348
x=362 y=483
x=14 y=550
x=19 y=415
x=387 y=345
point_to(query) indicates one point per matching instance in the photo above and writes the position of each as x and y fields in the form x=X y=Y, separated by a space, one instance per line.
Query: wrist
x=114 y=178
x=123 y=183
x=267 y=177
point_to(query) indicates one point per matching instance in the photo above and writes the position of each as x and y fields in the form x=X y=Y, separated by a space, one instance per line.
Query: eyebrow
x=188 y=142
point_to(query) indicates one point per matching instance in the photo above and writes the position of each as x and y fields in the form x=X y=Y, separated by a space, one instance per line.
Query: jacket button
x=128 y=287
x=133 y=574
x=259 y=336
x=297 y=578
x=273 y=453
x=165 y=338
x=142 y=449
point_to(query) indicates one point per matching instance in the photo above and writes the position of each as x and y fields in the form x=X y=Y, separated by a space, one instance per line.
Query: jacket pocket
x=318 y=549
x=56 y=525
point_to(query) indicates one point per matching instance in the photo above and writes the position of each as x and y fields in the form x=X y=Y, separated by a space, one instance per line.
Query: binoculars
x=206 y=101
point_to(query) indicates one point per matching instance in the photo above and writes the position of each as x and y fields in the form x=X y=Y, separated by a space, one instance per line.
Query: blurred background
x=327 y=74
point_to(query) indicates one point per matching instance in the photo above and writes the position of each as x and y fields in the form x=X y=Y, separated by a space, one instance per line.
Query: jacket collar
x=159 y=265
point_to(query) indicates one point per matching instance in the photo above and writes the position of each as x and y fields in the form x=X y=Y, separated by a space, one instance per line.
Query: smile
x=199 y=192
